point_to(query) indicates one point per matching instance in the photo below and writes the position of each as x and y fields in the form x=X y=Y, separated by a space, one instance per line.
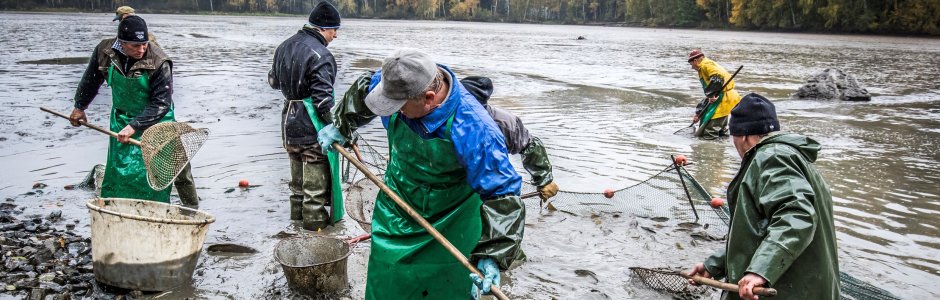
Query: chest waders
x=125 y=175
x=405 y=261
x=709 y=110
x=336 y=187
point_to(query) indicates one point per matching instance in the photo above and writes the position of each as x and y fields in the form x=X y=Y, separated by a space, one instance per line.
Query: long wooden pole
x=760 y=291
x=417 y=217
x=102 y=130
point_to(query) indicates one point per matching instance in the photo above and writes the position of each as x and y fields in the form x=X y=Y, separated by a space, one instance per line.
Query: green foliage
x=861 y=16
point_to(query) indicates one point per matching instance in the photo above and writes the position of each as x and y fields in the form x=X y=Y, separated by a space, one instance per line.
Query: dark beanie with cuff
x=324 y=15
x=478 y=86
x=754 y=115
x=133 y=29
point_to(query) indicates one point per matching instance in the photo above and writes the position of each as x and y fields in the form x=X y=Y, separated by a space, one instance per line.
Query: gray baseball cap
x=405 y=74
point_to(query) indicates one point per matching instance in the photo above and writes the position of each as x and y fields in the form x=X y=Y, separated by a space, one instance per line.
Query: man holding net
x=305 y=70
x=781 y=233
x=712 y=113
x=449 y=162
x=141 y=79
x=184 y=182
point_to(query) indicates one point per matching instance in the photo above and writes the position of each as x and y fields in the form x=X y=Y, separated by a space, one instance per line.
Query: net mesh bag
x=668 y=281
x=166 y=148
x=360 y=202
x=856 y=289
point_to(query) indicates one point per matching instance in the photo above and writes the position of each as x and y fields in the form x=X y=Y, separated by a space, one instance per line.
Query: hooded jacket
x=781 y=222
x=303 y=67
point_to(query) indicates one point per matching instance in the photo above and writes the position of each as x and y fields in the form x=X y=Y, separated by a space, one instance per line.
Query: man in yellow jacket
x=713 y=117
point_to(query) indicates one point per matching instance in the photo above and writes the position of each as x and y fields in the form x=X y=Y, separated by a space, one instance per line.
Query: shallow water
x=606 y=108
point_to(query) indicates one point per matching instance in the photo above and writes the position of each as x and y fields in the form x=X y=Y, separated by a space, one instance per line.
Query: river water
x=605 y=106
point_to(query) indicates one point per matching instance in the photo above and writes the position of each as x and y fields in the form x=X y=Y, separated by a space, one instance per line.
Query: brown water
x=605 y=106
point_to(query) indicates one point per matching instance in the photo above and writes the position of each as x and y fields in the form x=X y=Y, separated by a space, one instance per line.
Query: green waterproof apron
x=406 y=262
x=125 y=175
x=711 y=108
x=336 y=187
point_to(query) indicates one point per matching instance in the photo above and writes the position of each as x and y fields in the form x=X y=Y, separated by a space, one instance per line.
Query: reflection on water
x=606 y=108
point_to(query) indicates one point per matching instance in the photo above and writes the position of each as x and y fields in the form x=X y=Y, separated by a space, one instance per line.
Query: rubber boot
x=316 y=195
x=296 y=189
x=186 y=187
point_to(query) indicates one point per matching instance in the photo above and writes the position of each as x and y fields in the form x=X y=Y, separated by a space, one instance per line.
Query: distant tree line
x=850 y=16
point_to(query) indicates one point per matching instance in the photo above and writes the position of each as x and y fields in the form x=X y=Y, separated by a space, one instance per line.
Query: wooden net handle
x=99 y=129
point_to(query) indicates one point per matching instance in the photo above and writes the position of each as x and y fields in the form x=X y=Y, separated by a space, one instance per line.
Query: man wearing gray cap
x=449 y=162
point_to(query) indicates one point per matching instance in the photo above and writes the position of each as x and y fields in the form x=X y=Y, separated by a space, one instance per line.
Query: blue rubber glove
x=329 y=135
x=490 y=271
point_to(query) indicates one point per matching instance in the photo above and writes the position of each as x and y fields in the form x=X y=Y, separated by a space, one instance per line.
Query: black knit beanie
x=324 y=15
x=754 y=115
x=478 y=86
x=133 y=29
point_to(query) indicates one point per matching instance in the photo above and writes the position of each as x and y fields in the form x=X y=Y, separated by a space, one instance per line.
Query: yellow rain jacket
x=729 y=98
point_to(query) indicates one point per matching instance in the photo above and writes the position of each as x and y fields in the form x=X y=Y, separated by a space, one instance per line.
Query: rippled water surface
x=606 y=107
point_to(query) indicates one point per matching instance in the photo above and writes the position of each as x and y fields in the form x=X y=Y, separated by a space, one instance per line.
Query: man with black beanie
x=141 y=80
x=304 y=70
x=782 y=233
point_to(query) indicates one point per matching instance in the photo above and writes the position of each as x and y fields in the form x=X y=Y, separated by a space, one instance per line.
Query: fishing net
x=855 y=289
x=669 y=195
x=93 y=179
x=360 y=202
x=668 y=281
x=661 y=197
x=166 y=148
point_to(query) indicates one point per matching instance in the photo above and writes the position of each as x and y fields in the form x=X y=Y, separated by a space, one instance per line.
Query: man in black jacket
x=304 y=70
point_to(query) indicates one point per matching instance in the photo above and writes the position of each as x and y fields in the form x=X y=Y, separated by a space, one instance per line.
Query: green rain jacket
x=781 y=222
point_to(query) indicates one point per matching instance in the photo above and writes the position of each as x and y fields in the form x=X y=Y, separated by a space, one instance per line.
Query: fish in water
x=584 y=273
x=659 y=219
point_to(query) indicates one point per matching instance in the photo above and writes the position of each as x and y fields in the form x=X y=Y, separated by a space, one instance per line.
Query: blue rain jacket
x=473 y=133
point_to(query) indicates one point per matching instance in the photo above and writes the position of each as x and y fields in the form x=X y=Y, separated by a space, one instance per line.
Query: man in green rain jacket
x=782 y=233
x=141 y=80
x=448 y=160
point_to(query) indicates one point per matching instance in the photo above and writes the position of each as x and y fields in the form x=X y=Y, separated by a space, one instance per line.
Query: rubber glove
x=490 y=271
x=329 y=135
x=547 y=191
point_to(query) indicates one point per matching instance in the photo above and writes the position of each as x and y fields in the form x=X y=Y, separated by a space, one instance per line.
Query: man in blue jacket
x=448 y=160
